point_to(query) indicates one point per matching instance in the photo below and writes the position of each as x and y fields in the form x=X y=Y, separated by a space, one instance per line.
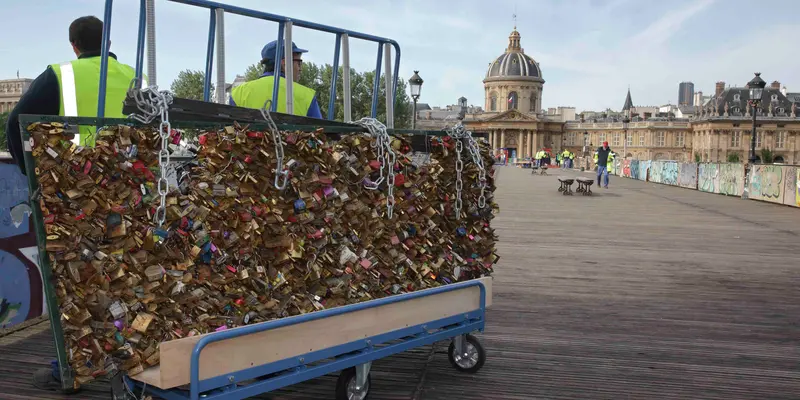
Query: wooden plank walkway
x=642 y=291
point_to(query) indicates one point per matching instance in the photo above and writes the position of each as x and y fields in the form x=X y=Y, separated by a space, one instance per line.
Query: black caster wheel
x=346 y=386
x=470 y=362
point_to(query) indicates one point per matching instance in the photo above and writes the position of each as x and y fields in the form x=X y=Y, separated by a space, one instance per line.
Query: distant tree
x=252 y=72
x=318 y=77
x=733 y=157
x=767 y=156
x=3 y=139
x=189 y=85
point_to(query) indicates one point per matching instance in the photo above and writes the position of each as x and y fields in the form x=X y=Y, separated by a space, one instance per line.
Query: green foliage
x=767 y=156
x=189 y=85
x=3 y=138
x=318 y=77
x=697 y=157
x=733 y=158
x=252 y=72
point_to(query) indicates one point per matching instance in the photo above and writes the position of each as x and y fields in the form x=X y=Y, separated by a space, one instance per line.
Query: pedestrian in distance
x=603 y=157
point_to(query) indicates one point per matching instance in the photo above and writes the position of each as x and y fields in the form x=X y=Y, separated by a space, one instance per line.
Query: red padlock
x=248 y=159
x=399 y=179
x=375 y=164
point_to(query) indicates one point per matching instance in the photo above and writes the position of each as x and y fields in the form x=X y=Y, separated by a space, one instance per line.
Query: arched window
x=493 y=102
x=512 y=101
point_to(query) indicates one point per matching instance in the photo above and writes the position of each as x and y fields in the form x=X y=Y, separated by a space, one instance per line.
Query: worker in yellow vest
x=71 y=88
x=255 y=93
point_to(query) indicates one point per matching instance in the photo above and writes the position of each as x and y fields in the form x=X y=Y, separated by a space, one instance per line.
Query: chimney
x=775 y=85
x=783 y=90
x=720 y=88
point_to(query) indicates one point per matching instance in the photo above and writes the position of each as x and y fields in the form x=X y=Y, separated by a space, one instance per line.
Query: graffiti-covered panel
x=687 y=176
x=21 y=291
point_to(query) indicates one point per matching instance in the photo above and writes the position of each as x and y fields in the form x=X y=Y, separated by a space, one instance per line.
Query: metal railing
x=285 y=26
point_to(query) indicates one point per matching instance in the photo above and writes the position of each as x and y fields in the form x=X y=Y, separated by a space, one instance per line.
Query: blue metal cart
x=352 y=357
x=253 y=359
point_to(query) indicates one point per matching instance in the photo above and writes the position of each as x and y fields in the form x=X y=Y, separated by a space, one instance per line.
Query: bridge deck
x=641 y=291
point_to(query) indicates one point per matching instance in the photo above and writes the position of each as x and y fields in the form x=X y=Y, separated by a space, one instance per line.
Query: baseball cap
x=268 y=52
x=605 y=143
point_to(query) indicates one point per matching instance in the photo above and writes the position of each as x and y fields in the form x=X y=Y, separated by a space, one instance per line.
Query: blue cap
x=268 y=52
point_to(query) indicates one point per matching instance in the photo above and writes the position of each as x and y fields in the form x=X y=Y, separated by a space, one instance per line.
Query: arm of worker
x=313 y=110
x=43 y=97
x=231 y=102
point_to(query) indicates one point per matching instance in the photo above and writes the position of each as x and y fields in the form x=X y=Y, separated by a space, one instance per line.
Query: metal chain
x=151 y=104
x=382 y=144
x=460 y=134
x=459 y=181
x=280 y=168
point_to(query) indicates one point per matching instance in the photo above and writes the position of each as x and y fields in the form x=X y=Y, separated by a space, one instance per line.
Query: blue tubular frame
x=140 y=43
x=104 y=50
x=297 y=369
x=334 y=78
x=212 y=6
x=212 y=27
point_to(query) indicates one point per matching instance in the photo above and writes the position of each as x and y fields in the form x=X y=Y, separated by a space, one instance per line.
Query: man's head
x=605 y=145
x=268 y=58
x=86 y=34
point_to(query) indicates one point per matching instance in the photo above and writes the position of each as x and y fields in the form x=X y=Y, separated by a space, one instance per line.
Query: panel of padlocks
x=357 y=218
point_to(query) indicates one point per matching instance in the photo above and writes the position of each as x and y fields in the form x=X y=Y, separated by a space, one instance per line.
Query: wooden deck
x=642 y=291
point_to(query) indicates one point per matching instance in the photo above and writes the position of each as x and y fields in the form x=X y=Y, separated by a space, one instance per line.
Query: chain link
x=152 y=104
x=382 y=144
x=281 y=172
x=460 y=135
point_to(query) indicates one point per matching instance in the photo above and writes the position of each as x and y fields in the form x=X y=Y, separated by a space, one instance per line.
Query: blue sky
x=590 y=51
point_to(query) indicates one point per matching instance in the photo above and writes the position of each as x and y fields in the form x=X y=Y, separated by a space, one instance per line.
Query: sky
x=590 y=51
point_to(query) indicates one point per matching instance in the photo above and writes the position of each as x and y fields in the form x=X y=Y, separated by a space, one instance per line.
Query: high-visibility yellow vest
x=255 y=93
x=79 y=83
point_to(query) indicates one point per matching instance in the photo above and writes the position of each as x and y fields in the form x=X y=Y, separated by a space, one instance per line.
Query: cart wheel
x=474 y=358
x=346 y=386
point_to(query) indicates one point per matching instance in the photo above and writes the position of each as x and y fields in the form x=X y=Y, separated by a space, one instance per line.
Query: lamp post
x=415 y=83
x=585 y=151
x=756 y=86
x=626 y=119
x=462 y=103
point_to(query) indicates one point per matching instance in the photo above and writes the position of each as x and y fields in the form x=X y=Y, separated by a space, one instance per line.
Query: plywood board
x=291 y=341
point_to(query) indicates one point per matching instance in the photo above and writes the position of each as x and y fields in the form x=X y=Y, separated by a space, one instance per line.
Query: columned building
x=513 y=115
x=10 y=92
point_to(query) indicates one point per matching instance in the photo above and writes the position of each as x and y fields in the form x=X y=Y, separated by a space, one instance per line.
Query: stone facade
x=10 y=92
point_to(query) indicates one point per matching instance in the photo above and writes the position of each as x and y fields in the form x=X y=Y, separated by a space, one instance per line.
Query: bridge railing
x=284 y=35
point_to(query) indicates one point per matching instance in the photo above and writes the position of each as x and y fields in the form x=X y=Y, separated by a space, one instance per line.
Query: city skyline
x=610 y=44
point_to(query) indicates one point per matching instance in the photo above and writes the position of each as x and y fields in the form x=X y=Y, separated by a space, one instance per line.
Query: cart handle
x=194 y=384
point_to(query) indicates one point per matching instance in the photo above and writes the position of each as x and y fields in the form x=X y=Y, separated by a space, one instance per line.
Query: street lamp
x=415 y=83
x=626 y=119
x=462 y=103
x=756 y=86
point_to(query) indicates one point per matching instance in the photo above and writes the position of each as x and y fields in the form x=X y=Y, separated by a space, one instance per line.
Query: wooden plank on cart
x=260 y=348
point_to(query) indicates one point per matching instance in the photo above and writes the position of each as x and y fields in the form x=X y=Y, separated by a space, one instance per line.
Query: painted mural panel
x=707 y=177
x=687 y=177
x=790 y=186
x=731 y=179
x=767 y=183
x=21 y=292
x=644 y=166
x=797 y=189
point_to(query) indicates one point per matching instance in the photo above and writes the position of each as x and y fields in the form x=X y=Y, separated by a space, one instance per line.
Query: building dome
x=514 y=63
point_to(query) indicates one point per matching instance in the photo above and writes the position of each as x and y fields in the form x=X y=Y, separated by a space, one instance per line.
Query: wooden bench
x=585 y=186
x=566 y=185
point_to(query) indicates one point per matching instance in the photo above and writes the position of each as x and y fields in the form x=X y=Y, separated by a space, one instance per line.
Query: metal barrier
x=285 y=25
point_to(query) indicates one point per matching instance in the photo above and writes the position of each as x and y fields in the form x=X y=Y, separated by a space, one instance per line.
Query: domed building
x=513 y=102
